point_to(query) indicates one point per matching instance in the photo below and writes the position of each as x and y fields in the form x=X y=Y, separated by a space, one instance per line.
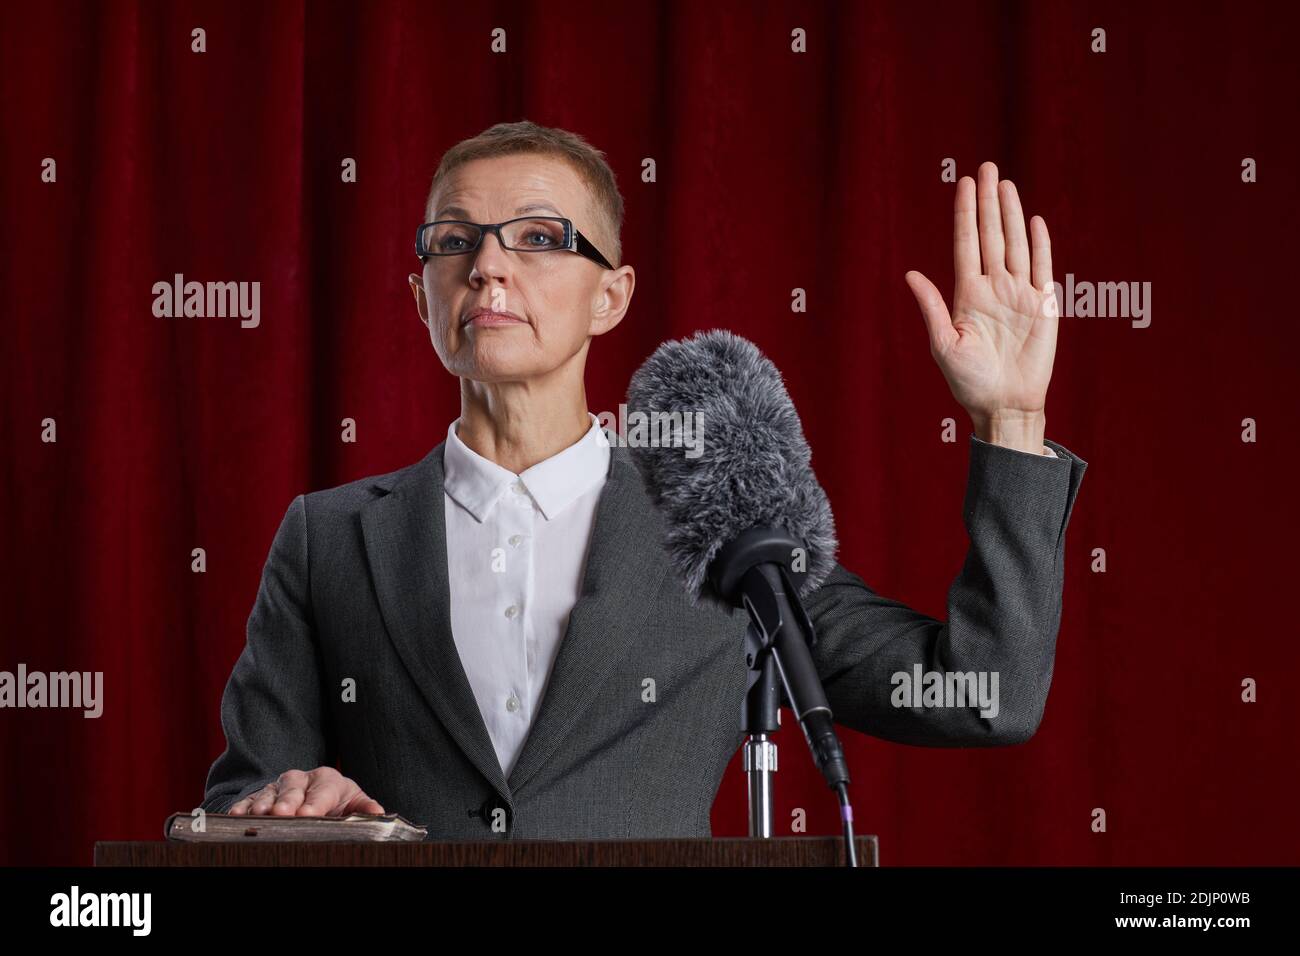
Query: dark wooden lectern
x=740 y=851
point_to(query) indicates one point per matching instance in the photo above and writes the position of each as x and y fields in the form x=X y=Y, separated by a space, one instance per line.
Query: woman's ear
x=613 y=300
x=421 y=304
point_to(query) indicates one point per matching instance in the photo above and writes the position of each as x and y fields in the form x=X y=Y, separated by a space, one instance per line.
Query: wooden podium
x=738 y=851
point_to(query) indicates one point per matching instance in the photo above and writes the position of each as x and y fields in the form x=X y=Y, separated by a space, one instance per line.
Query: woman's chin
x=502 y=365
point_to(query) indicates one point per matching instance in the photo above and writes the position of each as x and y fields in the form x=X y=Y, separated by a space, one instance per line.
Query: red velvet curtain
x=776 y=170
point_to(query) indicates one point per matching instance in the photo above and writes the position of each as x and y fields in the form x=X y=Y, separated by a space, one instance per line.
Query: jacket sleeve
x=272 y=710
x=1004 y=610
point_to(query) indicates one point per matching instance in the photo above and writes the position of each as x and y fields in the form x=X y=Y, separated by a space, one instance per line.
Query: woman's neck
x=518 y=424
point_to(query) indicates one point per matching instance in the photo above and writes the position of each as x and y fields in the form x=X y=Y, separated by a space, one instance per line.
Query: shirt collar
x=476 y=484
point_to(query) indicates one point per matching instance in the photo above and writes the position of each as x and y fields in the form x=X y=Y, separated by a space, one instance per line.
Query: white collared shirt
x=516 y=549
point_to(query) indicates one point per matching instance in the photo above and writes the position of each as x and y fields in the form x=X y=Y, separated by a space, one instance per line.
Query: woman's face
x=545 y=305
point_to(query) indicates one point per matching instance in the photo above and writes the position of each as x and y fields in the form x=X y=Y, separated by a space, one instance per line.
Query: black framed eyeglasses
x=458 y=237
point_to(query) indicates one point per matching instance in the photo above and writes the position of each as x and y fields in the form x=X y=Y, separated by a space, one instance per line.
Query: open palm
x=996 y=348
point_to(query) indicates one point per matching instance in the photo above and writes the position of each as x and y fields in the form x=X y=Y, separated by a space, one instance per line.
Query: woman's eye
x=536 y=235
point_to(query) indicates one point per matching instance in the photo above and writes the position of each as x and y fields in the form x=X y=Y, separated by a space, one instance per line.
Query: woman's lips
x=491 y=319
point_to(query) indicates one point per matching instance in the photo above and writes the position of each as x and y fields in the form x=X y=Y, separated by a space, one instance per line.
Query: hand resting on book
x=312 y=793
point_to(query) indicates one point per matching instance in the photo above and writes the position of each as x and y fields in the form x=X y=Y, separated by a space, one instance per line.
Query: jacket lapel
x=625 y=568
x=406 y=542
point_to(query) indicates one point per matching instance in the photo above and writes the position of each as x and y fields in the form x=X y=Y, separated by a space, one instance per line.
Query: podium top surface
x=721 y=851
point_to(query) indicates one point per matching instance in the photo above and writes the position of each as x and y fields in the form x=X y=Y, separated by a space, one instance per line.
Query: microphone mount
x=761 y=570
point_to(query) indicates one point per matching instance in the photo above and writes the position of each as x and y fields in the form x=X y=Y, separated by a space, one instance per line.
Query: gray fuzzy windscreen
x=751 y=466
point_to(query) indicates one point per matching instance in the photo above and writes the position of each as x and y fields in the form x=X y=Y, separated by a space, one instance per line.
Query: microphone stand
x=755 y=571
x=760 y=716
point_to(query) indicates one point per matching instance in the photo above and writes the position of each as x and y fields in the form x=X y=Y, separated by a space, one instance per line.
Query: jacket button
x=487 y=811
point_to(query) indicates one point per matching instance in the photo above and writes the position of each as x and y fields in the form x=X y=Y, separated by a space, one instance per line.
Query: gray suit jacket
x=355 y=586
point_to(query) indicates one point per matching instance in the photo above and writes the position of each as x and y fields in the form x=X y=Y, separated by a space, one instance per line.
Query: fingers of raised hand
x=938 y=321
x=992 y=243
x=965 y=231
x=1042 y=249
x=1013 y=230
x=989 y=225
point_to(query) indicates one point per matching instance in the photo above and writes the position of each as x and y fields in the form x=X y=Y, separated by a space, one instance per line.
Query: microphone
x=748 y=524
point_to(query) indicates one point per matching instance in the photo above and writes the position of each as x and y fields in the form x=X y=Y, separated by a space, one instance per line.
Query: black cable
x=846 y=814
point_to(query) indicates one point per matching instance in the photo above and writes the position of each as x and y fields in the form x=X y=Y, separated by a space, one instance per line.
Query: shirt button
x=516 y=540
x=512 y=703
x=518 y=488
x=512 y=610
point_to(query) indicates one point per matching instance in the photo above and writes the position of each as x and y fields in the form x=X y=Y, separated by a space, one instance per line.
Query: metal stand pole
x=760 y=717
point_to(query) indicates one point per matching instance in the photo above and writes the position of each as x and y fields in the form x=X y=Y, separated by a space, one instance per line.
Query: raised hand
x=997 y=347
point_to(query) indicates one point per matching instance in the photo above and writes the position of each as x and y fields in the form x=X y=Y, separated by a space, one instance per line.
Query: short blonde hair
x=505 y=139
